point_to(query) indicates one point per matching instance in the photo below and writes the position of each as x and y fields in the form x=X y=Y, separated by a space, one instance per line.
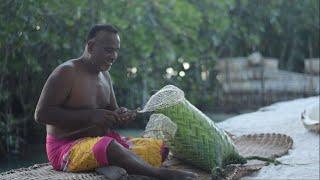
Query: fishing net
x=161 y=127
x=168 y=96
x=197 y=140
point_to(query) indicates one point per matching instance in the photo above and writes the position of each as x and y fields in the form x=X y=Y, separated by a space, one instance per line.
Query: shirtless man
x=78 y=101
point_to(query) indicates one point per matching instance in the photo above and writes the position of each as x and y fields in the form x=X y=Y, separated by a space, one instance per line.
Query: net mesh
x=161 y=127
x=166 y=97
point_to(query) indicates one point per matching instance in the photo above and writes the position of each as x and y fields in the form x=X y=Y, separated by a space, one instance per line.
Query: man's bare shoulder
x=66 y=69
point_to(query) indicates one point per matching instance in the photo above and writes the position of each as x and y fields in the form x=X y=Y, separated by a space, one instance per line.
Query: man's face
x=104 y=50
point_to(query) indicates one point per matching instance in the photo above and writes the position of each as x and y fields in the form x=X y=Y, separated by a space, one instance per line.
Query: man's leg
x=122 y=157
x=112 y=172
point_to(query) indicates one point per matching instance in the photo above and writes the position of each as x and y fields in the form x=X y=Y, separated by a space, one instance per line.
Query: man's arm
x=113 y=101
x=125 y=115
x=55 y=92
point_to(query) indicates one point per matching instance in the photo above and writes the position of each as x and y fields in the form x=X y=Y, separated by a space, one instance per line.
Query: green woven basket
x=197 y=140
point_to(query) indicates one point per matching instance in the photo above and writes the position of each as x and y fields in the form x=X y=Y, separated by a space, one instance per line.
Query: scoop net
x=166 y=97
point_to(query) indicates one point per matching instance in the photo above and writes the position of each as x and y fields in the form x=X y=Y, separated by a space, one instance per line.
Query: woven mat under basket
x=265 y=145
x=268 y=145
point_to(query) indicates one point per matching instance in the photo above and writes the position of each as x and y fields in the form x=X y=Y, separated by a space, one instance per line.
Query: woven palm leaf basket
x=197 y=140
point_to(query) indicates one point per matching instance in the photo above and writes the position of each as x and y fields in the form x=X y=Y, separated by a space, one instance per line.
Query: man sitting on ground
x=79 y=108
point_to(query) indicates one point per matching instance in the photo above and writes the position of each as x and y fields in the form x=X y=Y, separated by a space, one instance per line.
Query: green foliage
x=36 y=36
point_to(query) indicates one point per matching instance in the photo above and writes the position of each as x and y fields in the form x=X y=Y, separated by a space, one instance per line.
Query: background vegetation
x=163 y=42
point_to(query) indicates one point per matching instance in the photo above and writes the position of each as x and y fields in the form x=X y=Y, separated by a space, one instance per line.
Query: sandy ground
x=283 y=117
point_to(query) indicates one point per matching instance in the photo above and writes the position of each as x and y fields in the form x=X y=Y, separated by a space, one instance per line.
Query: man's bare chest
x=89 y=92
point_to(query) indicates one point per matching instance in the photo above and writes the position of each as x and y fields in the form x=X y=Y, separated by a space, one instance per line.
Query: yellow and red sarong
x=86 y=154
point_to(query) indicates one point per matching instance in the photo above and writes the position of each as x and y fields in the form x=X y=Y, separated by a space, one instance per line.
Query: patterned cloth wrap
x=89 y=153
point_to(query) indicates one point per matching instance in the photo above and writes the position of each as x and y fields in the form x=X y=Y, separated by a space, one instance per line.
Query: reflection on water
x=219 y=117
x=130 y=132
x=36 y=153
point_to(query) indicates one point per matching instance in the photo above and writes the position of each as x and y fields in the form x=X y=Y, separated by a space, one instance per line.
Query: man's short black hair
x=100 y=27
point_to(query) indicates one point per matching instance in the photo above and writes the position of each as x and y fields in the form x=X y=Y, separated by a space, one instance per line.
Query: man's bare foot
x=112 y=172
x=166 y=174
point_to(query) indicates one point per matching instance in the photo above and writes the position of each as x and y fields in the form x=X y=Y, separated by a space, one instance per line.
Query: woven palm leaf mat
x=264 y=145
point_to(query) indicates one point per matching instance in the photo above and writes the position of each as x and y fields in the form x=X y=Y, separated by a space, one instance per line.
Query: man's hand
x=121 y=110
x=104 y=118
x=125 y=115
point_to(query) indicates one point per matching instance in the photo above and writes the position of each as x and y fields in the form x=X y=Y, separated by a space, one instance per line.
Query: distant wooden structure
x=312 y=66
x=254 y=81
